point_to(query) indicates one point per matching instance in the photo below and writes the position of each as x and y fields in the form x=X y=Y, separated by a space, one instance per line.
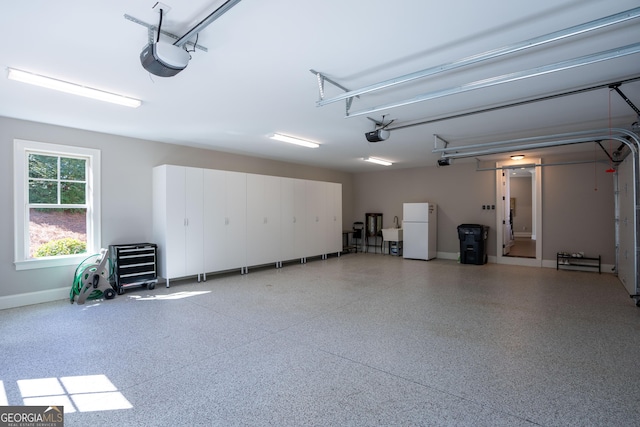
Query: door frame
x=536 y=201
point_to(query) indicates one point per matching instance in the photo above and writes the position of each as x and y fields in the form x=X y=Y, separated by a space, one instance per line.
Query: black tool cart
x=134 y=264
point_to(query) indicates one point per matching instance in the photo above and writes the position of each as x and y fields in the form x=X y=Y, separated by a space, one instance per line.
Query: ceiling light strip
x=506 y=50
x=511 y=77
x=72 y=88
x=294 y=140
x=378 y=161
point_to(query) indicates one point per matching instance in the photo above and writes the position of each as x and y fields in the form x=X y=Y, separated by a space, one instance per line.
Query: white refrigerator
x=419 y=223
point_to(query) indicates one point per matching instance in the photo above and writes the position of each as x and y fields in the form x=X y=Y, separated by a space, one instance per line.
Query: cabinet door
x=263 y=219
x=215 y=229
x=175 y=241
x=286 y=242
x=194 y=241
x=334 y=218
x=301 y=234
x=316 y=218
x=236 y=220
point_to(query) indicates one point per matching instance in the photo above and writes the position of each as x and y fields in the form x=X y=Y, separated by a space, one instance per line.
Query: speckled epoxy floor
x=359 y=340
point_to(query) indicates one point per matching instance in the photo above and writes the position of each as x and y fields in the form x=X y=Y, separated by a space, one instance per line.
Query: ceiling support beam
x=536 y=165
x=508 y=105
x=224 y=8
x=492 y=54
x=527 y=143
x=322 y=78
x=616 y=87
x=510 y=77
x=152 y=31
x=461 y=152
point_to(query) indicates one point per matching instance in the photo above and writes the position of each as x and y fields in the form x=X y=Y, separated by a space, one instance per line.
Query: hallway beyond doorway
x=523 y=247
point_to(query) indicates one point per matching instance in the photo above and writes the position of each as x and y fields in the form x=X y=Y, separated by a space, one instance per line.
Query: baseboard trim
x=522 y=234
x=530 y=262
x=30 y=298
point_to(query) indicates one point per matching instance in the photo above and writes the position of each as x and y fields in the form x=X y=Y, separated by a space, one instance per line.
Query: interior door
x=503 y=203
x=507 y=225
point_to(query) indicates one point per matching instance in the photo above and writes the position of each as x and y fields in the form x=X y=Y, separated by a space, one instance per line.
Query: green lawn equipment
x=91 y=280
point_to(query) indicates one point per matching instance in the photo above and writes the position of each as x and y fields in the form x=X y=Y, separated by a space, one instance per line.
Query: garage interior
x=445 y=94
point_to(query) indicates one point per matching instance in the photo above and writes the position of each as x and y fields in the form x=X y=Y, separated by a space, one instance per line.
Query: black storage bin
x=473 y=243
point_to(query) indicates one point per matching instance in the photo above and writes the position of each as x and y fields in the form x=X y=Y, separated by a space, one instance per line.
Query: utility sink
x=392 y=234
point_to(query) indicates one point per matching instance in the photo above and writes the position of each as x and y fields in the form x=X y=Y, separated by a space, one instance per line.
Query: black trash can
x=473 y=243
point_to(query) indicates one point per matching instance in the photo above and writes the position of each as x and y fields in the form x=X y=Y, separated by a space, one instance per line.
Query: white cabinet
x=263 y=219
x=324 y=218
x=177 y=220
x=236 y=222
x=207 y=220
x=293 y=220
x=300 y=220
x=286 y=243
x=194 y=258
x=334 y=214
x=316 y=217
x=225 y=220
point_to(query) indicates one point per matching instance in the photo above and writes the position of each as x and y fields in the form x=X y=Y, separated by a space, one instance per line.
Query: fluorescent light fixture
x=517 y=157
x=62 y=86
x=294 y=140
x=378 y=161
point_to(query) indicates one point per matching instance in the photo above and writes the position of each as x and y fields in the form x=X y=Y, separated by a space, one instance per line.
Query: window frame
x=21 y=149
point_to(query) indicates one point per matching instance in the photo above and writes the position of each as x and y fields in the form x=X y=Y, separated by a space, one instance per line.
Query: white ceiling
x=255 y=78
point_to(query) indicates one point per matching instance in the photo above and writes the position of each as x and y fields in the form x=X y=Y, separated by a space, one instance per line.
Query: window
x=57 y=204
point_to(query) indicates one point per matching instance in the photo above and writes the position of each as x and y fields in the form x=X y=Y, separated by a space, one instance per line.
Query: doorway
x=519 y=217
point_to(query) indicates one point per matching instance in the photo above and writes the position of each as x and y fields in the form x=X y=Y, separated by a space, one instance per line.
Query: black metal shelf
x=568 y=260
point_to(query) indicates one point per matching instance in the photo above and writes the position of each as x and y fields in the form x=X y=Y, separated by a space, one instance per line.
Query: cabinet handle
x=264 y=220
x=294 y=219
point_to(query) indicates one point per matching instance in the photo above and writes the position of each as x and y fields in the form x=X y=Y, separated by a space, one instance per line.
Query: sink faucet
x=395 y=221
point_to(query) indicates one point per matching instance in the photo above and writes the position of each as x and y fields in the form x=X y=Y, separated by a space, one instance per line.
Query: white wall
x=458 y=190
x=126 y=195
x=577 y=200
x=577 y=203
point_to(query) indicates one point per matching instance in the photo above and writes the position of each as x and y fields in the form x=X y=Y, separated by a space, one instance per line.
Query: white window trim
x=20 y=191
